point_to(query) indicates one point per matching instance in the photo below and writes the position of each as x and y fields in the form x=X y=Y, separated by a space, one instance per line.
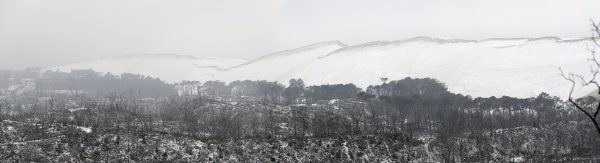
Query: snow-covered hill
x=520 y=67
x=494 y=67
x=280 y=66
x=168 y=67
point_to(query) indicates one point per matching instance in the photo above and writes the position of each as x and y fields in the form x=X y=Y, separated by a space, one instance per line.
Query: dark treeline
x=411 y=112
x=98 y=84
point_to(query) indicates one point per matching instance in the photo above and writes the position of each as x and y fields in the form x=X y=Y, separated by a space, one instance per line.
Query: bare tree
x=594 y=71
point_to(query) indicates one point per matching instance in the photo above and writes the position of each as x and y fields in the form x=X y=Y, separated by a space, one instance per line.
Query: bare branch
x=568 y=78
x=593 y=53
x=596 y=32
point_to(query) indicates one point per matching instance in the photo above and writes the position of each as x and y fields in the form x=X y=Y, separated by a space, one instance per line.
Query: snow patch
x=85 y=129
x=77 y=109
x=333 y=101
x=518 y=159
x=10 y=128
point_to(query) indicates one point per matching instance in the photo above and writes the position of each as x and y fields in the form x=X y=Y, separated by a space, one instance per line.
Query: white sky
x=54 y=32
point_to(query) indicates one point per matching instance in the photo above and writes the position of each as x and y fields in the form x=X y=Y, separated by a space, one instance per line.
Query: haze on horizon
x=45 y=33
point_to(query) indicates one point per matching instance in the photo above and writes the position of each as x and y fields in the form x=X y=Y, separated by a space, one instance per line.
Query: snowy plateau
x=518 y=67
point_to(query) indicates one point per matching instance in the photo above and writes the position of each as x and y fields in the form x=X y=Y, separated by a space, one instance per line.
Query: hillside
x=495 y=67
x=280 y=66
x=168 y=67
x=519 y=67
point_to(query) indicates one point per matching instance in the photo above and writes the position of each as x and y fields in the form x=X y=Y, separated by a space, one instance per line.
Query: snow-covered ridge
x=278 y=66
x=168 y=67
x=521 y=67
x=147 y=55
x=424 y=39
x=335 y=44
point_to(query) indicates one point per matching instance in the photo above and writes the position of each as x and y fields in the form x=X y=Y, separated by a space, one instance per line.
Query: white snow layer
x=171 y=68
x=520 y=67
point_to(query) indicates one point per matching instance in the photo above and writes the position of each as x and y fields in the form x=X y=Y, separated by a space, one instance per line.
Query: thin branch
x=591 y=81
x=568 y=78
x=593 y=53
x=596 y=32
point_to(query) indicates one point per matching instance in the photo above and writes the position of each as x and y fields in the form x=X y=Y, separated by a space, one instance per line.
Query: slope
x=168 y=67
x=280 y=66
x=495 y=67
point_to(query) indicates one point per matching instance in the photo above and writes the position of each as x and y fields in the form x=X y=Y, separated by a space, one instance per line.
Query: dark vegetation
x=84 y=116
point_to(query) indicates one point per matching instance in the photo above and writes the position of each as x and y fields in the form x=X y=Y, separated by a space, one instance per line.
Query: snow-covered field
x=521 y=67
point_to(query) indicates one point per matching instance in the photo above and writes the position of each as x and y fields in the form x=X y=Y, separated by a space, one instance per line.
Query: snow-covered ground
x=168 y=67
x=520 y=67
x=280 y=66
x=524 y=69
x=85 y=129
x=77 y=109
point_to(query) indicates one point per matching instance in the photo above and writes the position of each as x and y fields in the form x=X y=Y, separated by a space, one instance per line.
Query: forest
x=86 y=116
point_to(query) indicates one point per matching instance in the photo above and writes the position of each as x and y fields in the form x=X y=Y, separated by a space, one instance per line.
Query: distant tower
x=384 y=80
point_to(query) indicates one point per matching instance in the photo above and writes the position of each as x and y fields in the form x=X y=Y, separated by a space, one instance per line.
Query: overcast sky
x=55 y=32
